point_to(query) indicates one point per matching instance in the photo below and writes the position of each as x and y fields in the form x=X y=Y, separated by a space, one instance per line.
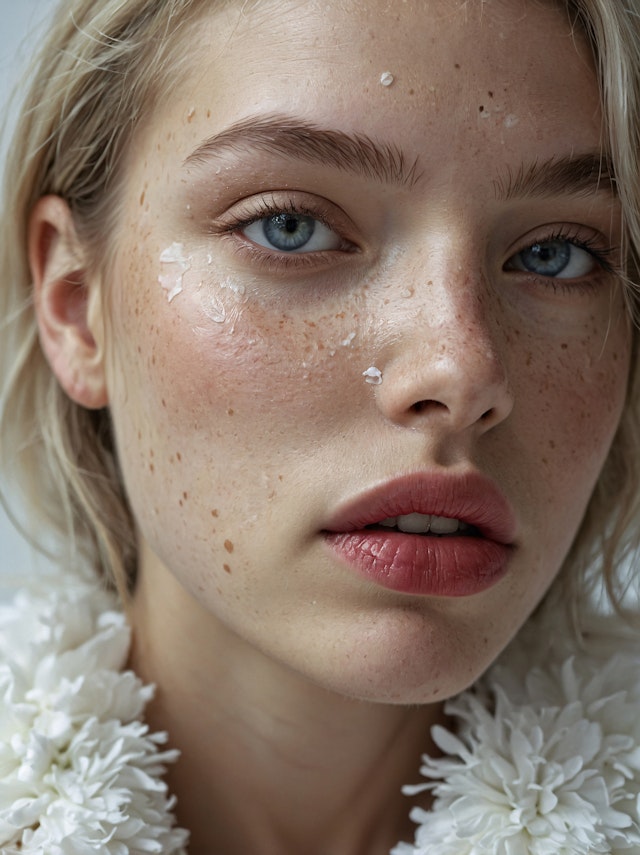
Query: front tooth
x=444 y=525
x=414 y=523
x=390 y=522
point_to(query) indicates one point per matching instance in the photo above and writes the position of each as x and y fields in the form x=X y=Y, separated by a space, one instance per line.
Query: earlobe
x=67 y=303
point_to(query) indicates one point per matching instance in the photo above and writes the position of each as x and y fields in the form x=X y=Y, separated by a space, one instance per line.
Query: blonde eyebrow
x=300 y=139
x=575 y=174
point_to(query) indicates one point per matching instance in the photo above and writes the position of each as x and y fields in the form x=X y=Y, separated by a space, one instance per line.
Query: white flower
x=545 y=760
x=79 y=771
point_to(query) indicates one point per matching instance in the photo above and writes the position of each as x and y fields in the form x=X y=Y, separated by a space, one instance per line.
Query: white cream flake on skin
x=386 y=78
x=174 y=266
x=348 y=341
x=373 y=376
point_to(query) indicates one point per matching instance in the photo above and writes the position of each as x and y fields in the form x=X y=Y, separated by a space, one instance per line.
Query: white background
x=18 y=21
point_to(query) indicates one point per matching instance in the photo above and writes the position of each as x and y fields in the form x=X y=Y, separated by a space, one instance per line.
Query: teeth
x=424 y=523
x=443 y=525
x=414 y=523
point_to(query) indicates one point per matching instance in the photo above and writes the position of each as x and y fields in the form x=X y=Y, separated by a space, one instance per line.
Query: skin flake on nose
x=373 y=376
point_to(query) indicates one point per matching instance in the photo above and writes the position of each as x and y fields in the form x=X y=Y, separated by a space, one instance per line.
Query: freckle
x=181 y=503
x=139 y=349
x=456 y=65
x=227 y=569
x=280 y=478
x=340 y=315
x=185 y=496
x=179 y=457
x=552 y=443
x=228 y=545
x=152 y=468
x=490 y=93
x=564 y=345
x=230 y=411
x=411 y=91
x=153 y=359
x=215 y=513
x=164 y=403
x=172 y=460
x=481 y=108
x=139 y=434
x=142 y=196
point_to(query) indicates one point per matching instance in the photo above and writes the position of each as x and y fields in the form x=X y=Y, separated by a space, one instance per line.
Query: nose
x=445 y=367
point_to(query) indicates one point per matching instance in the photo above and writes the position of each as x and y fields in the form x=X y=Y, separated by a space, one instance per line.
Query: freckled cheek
x=271 y=369
x=578 y=394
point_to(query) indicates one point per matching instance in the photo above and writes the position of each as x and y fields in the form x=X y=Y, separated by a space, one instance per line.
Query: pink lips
x=455 y=565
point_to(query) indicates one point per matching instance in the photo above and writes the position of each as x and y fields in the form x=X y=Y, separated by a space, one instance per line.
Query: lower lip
x=417 y=564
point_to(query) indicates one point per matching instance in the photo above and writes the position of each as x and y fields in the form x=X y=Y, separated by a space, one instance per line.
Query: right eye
x=290 y=232
x=559 y=258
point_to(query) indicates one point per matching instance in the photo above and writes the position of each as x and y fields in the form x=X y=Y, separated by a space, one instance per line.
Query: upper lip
x=471 y=498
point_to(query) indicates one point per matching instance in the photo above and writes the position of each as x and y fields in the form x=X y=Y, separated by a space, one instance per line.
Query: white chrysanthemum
x=78 y=771
x=545 y=760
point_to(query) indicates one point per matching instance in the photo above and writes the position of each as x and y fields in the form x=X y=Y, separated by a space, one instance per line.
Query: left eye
x=553 y=258
x=290 y=232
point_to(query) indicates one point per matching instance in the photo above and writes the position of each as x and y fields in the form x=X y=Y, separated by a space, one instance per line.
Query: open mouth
x=415 y=523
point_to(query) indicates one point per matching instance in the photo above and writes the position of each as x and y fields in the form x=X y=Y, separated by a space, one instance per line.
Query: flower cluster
x=545 y=759
x=79 y=771
x=543 y=755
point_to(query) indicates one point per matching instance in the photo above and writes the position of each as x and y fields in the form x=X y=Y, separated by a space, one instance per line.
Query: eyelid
x=581 y=236
x=254 y=208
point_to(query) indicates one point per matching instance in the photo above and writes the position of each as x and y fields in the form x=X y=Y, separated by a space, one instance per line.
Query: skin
x=243 y=420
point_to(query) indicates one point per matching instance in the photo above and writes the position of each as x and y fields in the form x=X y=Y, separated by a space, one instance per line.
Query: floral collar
x=545 y=759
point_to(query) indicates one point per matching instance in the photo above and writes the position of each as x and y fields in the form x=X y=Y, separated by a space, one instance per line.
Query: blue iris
x=288 y=232
x=547 y=259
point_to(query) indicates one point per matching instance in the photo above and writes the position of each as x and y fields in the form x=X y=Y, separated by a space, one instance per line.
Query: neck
x=270 y=764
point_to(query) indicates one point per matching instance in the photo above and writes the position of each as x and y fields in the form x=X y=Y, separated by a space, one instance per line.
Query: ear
x=67 y=304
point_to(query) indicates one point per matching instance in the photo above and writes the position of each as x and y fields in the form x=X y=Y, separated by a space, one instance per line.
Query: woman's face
x=363 y=272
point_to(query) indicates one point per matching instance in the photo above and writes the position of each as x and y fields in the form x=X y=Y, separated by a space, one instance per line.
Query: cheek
x=568 y=420
x=212 y=390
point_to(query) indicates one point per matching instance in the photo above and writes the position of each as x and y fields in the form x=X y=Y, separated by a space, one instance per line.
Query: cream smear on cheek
x=173 y=266
x=219 y=300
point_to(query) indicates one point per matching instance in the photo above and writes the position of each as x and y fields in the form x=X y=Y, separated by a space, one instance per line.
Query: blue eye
x=557 y=258
x=291 y=232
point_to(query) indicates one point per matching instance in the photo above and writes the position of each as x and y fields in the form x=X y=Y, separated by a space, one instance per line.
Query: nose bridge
x=448 y=356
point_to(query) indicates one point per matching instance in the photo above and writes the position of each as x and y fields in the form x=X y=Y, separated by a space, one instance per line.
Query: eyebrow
x=575 y=174
x=354 y=153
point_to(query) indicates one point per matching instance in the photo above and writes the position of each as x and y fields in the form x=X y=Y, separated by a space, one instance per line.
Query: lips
x=463 y=563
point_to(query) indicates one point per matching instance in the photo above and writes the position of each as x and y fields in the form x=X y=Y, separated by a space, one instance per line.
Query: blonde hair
x=104 y=64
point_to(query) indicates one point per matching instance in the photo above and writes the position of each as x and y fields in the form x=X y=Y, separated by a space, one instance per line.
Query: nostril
x=425 y=406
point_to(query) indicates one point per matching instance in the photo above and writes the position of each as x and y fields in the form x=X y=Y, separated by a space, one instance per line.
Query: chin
x=407 y=658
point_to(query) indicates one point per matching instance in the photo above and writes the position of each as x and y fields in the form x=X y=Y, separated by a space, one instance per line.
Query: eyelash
x=592 y=245
x=263 y=208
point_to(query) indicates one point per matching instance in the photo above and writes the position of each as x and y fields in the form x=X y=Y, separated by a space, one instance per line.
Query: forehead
x=480 y=85
x=314 y=57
